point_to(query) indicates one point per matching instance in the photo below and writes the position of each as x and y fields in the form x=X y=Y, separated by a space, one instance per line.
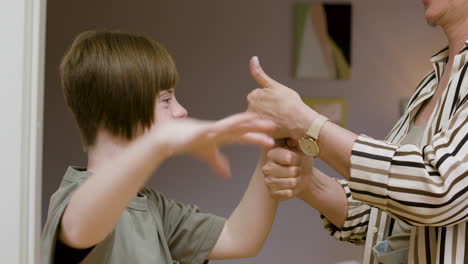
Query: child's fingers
x=252 y=138
x=243 y=123
x=219 y=163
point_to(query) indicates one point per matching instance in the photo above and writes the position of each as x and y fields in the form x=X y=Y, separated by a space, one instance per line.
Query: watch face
x=309 y=147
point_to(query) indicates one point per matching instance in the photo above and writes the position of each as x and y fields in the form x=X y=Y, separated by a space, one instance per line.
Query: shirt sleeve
x=57 y=205
x=424 y=187
x=191 y=234
x=52 y=250
x=66 y=254
x=357 y=220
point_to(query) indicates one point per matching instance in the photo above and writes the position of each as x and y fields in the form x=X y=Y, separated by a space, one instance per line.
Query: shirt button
x=374 y=229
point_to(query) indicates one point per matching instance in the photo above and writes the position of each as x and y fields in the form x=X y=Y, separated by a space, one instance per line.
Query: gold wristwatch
x=308 y=142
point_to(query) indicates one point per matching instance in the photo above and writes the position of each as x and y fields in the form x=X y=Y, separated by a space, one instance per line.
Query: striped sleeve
x=355 y=227
x=425 y=187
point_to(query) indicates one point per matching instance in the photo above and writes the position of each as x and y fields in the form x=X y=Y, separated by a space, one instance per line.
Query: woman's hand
x=280 y=104
x=287 y=172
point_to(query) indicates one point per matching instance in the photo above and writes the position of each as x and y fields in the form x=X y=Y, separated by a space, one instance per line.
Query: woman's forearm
x=327 y=196
x=335 y=145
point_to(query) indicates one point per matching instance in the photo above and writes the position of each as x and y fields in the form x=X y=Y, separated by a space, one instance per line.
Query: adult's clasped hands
x=287 y=170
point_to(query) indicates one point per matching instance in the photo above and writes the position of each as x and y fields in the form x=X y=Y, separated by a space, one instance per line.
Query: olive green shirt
x=152 y=229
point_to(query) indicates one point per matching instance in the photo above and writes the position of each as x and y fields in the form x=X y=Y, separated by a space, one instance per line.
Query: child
x=120 y=89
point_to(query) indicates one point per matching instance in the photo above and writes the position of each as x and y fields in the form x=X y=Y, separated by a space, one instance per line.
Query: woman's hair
x=111 y=80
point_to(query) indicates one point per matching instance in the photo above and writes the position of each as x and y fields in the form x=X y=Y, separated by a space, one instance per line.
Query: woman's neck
x=457 y=34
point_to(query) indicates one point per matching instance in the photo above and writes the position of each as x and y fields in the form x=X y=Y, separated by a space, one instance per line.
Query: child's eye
x=167 y=100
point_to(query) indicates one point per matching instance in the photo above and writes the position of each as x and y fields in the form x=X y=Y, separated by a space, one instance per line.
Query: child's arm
x=96 y=206
x=247 y=228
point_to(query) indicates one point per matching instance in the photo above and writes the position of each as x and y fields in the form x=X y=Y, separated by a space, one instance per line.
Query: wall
x=22 y=24
x=211 y=42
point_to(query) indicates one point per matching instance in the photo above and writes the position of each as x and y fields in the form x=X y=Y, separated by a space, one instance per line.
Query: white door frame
x=22 y=46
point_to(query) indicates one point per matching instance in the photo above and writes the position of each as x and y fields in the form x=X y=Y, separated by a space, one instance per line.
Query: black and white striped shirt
x=425 y=188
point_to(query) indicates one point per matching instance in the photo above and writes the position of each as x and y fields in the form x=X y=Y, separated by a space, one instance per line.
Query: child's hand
x=287 y=172
x=203 y=138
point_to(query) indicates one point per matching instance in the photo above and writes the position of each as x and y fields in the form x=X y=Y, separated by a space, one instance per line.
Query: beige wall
x=211 y=42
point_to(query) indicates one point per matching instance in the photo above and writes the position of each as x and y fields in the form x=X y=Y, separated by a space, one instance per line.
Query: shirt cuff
x=371 y=161
x=355 y=226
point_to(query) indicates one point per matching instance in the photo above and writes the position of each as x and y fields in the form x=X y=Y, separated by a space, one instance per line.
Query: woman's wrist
x=303 y=117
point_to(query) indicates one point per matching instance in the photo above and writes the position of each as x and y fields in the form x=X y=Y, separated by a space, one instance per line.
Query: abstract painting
x=322 y=41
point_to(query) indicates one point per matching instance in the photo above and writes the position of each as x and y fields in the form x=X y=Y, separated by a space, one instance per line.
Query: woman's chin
x=432 y=20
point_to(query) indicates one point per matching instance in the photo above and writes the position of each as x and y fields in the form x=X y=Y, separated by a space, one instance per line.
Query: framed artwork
x=333 y=108
x=322 y=41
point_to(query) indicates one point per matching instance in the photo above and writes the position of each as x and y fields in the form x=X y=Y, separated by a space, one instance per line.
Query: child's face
x=167 y=107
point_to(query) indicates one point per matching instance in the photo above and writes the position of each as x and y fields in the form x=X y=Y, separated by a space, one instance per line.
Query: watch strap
x=315 y=127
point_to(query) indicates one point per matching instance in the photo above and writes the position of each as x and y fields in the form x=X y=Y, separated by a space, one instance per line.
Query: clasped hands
x=288 y=171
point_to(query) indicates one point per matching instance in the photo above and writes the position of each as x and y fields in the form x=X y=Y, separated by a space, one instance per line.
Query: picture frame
x=335 y=109
x=322 y=36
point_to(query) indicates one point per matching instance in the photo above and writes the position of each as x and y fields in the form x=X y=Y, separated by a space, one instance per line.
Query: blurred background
x=211 y=42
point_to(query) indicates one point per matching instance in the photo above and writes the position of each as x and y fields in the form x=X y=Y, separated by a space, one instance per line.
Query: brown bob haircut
x=111 y=80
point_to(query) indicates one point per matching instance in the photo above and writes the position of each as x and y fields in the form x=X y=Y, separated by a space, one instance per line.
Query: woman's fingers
x=283 y=182
x=275 y=170
x=277 y=184
x=286 y=157
x=282 y=195
x=283 y=188
x=283 y=173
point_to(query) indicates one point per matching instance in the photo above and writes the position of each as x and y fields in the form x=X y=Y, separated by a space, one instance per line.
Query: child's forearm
x=96 y=206
x=249 y=225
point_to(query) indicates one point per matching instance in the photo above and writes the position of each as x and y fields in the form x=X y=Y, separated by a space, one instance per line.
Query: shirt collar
x=443 y=55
